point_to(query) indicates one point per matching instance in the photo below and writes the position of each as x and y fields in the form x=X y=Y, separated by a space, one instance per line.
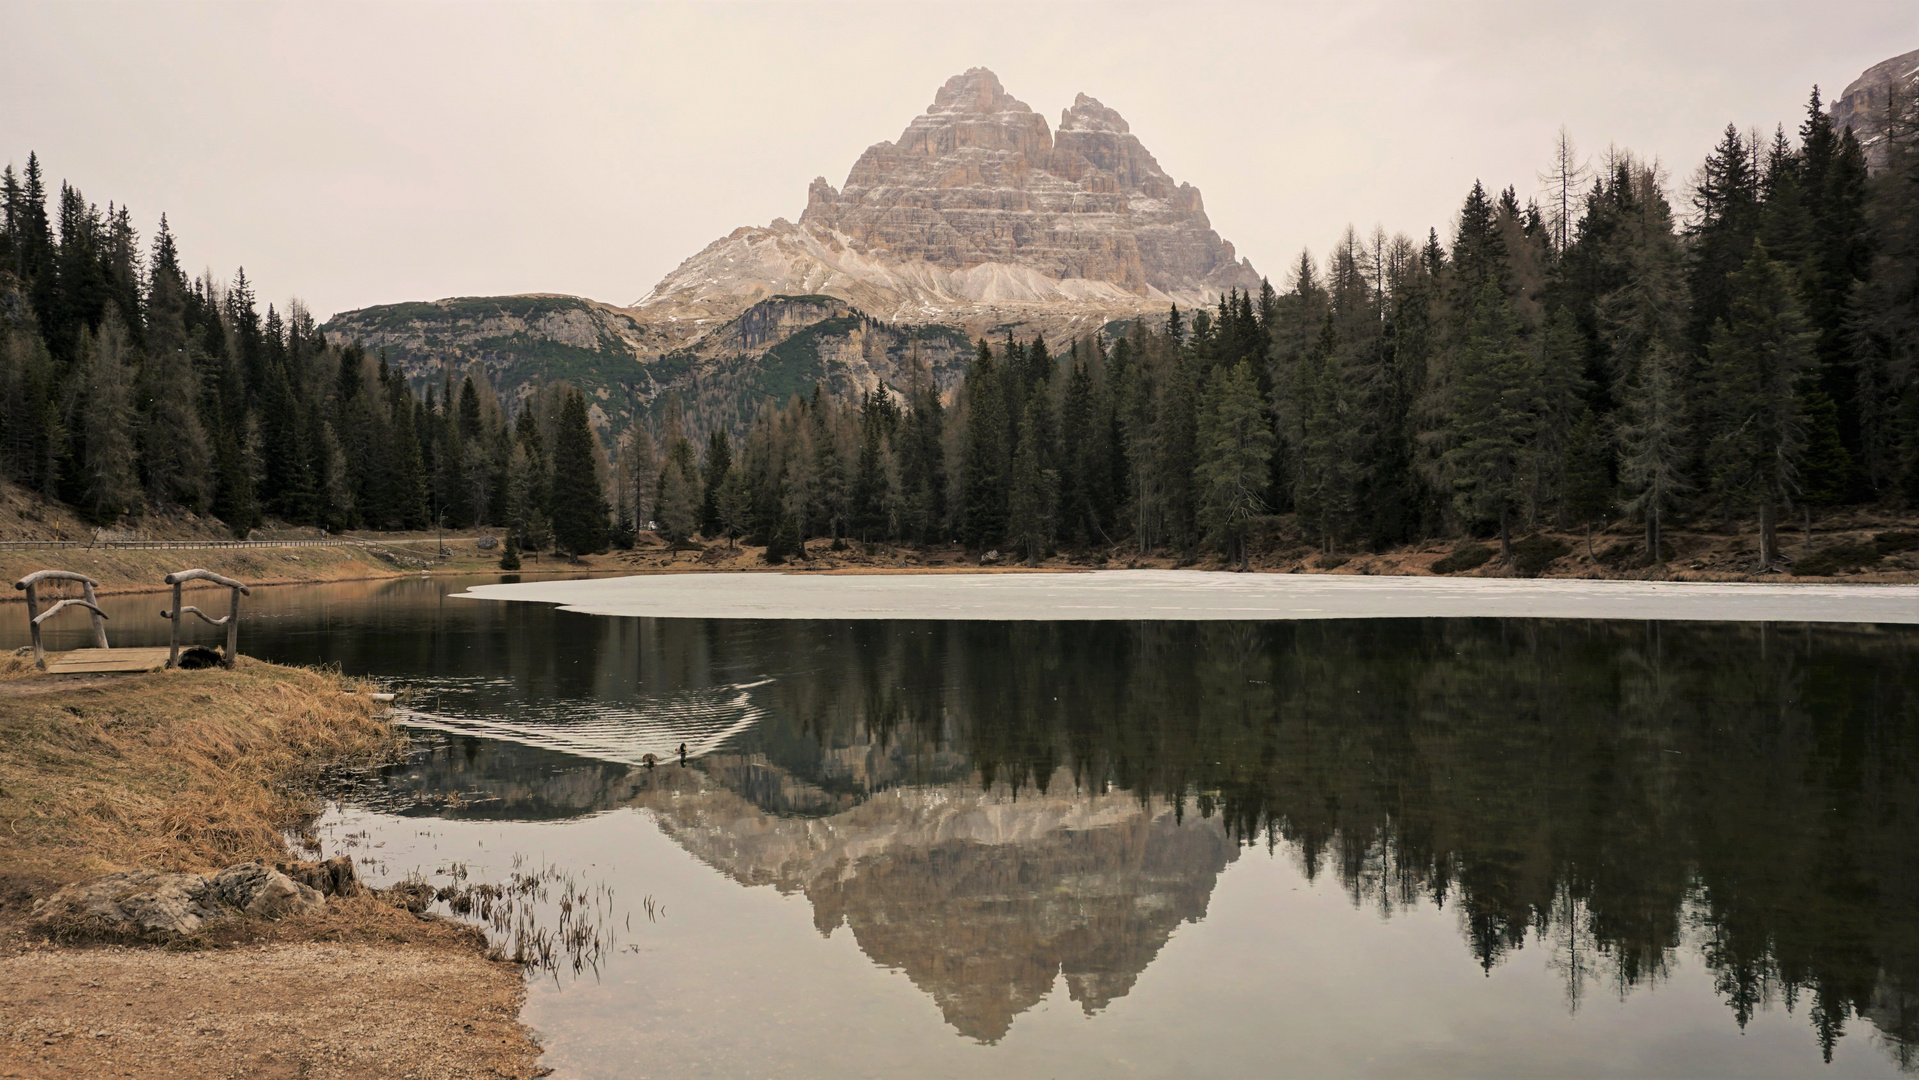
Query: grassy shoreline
x=193 y=771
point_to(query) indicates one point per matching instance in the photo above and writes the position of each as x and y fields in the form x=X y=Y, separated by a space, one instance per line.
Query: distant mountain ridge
x=978 y=220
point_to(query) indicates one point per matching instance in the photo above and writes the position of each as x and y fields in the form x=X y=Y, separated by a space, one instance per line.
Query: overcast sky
x=353 y=155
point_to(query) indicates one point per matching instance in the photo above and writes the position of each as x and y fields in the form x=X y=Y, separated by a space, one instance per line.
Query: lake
x=1097 y=848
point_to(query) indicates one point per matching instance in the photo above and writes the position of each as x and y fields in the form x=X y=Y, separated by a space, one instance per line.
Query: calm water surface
x=1366 y=847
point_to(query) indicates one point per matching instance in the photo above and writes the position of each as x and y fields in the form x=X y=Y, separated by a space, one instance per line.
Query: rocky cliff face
x=1863 y=105
x=978 y=215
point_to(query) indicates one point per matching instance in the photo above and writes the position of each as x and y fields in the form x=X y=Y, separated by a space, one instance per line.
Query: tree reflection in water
x=1609 y=792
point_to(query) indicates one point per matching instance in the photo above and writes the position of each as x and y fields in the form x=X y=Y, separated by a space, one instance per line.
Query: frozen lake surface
x=1201 y=595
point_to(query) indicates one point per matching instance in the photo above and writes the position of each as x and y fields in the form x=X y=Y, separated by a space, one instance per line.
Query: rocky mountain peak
x=976 y=91
x=978 y=216
x=1087 y=114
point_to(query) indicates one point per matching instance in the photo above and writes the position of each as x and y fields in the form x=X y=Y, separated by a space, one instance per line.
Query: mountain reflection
x=991 y=807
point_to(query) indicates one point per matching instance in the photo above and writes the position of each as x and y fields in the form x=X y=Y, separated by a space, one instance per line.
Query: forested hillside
x=1744 y=355
x=124 y=385
x=1738 y=346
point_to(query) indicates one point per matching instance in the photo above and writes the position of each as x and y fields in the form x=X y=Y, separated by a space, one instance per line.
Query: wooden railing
x=31 y=583
x=231 y=621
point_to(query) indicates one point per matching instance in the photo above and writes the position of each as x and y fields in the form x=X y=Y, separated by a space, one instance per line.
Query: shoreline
x=186 y=772
x=124 y=572
x=1697 y=558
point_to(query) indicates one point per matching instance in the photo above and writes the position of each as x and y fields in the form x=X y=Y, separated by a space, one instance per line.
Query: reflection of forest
x=1608 y=792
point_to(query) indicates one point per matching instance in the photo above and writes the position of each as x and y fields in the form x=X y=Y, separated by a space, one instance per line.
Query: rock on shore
x=152 y=903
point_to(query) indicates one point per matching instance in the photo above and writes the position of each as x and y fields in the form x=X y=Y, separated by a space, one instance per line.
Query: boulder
x=333 y=877
x=150 y=903
x=133 y=902
x=262 y=891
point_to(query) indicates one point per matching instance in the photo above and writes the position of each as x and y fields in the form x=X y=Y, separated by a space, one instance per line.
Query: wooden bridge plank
x=87 y=661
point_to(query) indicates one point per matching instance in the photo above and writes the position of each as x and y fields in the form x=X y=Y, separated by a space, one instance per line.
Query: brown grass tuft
x=184 y=770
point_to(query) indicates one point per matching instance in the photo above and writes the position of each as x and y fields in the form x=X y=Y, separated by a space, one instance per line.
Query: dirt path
x=309 y=1010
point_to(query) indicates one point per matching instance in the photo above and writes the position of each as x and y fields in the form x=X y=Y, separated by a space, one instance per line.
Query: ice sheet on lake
x=1194 y=594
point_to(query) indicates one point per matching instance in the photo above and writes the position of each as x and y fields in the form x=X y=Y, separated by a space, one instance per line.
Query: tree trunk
x=1505 y=535
x=1768 y=537
x=1652 y=535
x=1589 y=542
x=1808 y=510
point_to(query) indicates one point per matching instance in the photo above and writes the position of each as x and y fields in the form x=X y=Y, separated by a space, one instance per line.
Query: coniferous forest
x=1734 y=348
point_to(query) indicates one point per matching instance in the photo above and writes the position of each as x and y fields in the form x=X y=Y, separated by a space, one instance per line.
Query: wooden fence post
x=33 y=620
x=173 y=658
x=99 y=620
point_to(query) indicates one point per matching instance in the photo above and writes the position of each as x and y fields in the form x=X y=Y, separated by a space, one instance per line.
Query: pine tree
x=1176 y=434
x=1236 y=446
x=468 y=416
x=35 y=248
x=289 y=488
x=734 y=505
x=1653 y=443
x=1759 y=358
x=922 y=466
x=578 y=509
x=1083 y=454
x=873 y=498
x=719 y=462
x=404 y=480
x=517 y=503
x=1479 y=250
x=510 y=552
x=107 y=420
x=1558 y=382
x=625 y=529
x=643 y=472
x=1327 y=470
x=174 y=448
x=83 y=294
x=1493 y=421
x=1034 y=480
x=830 y=491
x=1837 y=260
x=678 y=509
x=985 y=462
x=1587 y=486
x=1726 y=209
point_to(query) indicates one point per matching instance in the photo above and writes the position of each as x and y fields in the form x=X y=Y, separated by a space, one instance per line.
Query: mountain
x=978 y=220
x=980 y=217
x=1863 y=105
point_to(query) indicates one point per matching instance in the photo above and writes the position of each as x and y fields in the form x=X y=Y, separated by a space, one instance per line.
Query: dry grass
x=183 y=770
